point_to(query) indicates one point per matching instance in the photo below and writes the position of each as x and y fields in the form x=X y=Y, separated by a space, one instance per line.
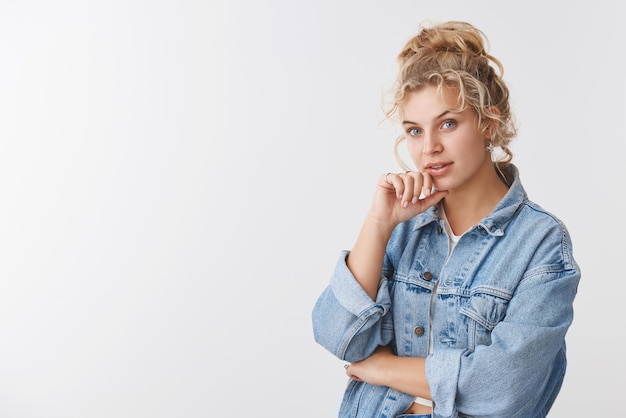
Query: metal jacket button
x=428 y=276
x=419 y=331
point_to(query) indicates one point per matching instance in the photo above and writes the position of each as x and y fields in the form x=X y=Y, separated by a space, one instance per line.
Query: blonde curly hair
x=454 y=54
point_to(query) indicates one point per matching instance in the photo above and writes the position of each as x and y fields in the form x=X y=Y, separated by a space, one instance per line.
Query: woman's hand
x=400 y=196
x=397 y=199
x=374 y=369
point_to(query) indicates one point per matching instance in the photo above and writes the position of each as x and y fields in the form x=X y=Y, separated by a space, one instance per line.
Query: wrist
x=382 y=227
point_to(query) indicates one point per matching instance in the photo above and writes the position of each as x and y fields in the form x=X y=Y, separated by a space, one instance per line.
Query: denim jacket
x=496 y=311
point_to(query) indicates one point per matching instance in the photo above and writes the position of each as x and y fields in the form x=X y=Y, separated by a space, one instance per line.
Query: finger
x=432 y=199
x=348 y=373
x=427 y=188
x=409 y=189
x=396 y=181
x=417 y=185
x=385 y=180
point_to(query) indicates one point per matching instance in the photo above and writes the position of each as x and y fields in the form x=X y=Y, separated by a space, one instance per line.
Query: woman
x=457 y=295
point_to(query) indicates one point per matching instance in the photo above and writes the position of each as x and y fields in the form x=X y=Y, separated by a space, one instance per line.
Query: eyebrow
x=444 y=113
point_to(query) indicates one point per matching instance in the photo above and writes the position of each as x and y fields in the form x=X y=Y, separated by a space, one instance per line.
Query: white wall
x=177 y=179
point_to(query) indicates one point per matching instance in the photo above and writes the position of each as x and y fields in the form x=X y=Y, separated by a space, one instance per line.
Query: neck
x=467 y=205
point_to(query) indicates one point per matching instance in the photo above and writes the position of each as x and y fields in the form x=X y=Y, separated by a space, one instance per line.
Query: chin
x=444 y=185
x=441 y=185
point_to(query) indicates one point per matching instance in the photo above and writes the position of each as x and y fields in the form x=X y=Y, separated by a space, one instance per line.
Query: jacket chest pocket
x=481 y=314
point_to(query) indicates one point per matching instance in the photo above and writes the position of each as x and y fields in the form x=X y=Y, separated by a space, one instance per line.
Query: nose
x=431 y=145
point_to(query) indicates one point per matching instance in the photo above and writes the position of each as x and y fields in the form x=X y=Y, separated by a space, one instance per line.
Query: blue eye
x=413 y=131
x=449 y=124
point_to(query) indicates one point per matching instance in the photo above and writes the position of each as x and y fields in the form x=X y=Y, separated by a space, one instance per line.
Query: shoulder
x=541 y=229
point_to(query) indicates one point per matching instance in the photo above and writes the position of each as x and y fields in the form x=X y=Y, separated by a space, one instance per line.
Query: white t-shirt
x=453 y=239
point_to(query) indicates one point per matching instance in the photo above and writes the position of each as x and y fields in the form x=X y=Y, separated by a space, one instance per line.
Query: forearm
x=366 y=258
x=396 y=200
x=408 y=375
x=383 y=368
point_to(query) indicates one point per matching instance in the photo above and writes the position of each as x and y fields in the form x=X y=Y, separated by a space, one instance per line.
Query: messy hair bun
x=454 y=54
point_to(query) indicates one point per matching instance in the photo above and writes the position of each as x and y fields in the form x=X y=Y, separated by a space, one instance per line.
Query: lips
x=437 y=168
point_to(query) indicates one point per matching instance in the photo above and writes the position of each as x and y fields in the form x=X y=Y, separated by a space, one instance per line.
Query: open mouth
x=438 y=168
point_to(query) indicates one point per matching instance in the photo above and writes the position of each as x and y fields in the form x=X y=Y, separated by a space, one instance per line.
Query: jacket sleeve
x=526 y=357
x=346 y=321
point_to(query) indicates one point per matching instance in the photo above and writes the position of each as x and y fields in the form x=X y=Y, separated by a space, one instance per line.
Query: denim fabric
x=501 y=307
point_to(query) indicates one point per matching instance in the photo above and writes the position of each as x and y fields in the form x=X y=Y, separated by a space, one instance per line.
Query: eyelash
x=450 y=122
x=408 y=131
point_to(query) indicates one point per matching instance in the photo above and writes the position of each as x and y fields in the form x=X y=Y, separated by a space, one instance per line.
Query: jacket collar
x=496 y=221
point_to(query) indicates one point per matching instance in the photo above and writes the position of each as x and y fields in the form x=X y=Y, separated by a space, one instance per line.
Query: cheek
x=415 y=150
x=478 y=150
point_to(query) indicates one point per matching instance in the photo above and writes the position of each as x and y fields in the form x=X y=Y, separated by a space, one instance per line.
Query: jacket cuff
x=442 y=371
x=351 y=295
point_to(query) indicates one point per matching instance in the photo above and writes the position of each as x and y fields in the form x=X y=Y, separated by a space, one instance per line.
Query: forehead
x=429 y=101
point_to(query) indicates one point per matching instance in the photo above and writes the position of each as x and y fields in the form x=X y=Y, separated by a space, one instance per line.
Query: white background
x=177 y=179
